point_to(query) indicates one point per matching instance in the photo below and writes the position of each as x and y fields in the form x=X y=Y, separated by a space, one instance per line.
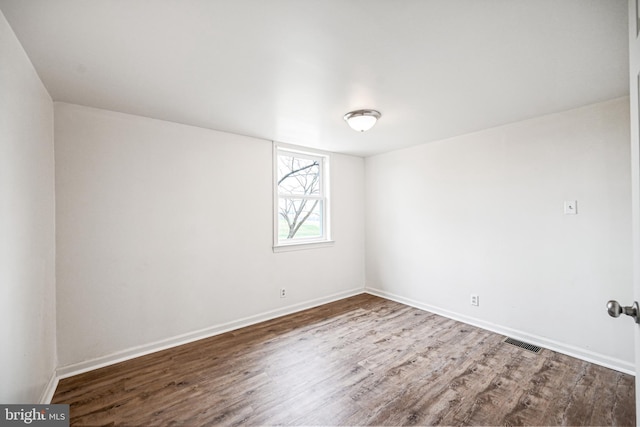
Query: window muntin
x=301 y=197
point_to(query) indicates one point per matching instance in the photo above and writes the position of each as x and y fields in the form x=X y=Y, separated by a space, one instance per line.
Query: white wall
x=27 y=233
x=483 y=214
x=166 y=229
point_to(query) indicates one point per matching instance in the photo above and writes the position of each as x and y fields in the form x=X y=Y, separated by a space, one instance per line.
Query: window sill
x=300 y=246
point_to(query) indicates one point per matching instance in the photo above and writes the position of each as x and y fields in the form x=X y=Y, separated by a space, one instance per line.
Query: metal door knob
x=615 y=310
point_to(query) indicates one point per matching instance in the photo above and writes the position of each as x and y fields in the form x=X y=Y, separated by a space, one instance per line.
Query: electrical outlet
x=475 y=300
x=283 y=293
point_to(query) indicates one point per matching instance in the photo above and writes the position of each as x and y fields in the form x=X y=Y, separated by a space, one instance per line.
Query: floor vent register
x=524 y=345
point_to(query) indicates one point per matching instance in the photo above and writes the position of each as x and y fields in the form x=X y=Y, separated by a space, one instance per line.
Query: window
x=300 y=197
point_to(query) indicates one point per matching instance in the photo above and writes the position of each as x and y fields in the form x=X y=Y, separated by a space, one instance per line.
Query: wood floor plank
x=359 y=361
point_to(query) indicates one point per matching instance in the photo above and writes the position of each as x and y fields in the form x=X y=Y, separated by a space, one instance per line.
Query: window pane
x=298 y=175
x=299 y=218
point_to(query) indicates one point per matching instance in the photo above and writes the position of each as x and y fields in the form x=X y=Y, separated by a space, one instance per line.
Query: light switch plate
x=571 y=207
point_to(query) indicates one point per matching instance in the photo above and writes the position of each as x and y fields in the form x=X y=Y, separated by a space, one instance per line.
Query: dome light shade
x=362 y=120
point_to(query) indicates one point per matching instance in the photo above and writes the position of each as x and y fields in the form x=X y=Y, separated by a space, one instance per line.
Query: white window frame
x=303 y=243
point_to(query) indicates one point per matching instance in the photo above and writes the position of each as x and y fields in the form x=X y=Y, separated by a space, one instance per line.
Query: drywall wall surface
x=483 y=214
x=27 y=227
x=165 y=229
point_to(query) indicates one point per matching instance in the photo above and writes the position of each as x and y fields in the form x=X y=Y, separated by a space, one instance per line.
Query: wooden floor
x=360 y=361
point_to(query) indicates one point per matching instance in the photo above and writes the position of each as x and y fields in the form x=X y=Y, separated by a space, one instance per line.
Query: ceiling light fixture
x=362 y=120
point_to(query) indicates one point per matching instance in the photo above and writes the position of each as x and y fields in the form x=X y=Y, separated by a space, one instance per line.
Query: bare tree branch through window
x=300 y=196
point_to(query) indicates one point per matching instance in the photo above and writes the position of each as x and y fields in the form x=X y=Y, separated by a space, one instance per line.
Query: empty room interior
x=319 y=212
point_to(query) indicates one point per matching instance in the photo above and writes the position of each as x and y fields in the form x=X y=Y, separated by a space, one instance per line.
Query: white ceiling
x=288 y=70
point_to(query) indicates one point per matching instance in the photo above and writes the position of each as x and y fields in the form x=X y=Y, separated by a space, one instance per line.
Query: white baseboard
x=100 y=362
x=49 y=390
x=579 y=353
